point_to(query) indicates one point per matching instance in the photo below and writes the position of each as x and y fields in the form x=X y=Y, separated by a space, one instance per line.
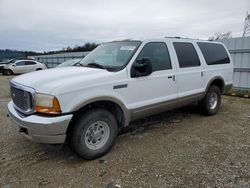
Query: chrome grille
x=22 y=99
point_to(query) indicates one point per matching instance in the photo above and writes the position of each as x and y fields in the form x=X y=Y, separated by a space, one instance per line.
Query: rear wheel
x=39 y=69
x=7 y=72
x=211 y=102
x=93 y=134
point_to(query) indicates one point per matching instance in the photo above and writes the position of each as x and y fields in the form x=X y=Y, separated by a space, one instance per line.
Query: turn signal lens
x=47 y=104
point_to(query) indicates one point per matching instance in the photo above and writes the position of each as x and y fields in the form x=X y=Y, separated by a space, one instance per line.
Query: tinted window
x=159 y=55
x=186 y=55
x=214 y=53
x=21 y=63
x=30 y=63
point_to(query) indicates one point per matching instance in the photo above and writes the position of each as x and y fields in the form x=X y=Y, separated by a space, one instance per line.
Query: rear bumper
x=40 y=129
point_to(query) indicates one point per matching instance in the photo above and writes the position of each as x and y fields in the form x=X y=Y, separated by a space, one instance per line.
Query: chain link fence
x=52 y=60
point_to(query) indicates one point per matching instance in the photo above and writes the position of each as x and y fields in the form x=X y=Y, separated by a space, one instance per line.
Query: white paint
x=76 y=85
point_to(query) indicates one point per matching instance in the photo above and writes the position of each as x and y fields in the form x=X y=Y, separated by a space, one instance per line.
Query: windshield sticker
x=127 y=48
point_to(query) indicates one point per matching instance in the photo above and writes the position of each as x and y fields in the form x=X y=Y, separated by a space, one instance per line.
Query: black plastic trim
x=120 y=86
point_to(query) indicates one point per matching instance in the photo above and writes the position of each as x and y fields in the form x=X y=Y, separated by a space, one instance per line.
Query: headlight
x=47 y=104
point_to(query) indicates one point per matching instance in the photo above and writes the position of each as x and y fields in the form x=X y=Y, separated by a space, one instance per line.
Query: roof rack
x=183 y=38
x=174 y=37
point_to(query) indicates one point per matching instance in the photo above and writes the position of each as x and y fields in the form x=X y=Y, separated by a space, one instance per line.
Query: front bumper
x=40 y=129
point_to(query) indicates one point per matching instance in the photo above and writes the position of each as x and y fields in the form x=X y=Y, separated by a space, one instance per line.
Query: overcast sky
x=43 y=25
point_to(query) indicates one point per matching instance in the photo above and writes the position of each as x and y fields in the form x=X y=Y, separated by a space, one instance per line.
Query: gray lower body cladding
x=141 y=112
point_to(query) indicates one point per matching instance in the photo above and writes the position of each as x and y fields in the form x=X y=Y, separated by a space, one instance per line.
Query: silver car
x=23 y=66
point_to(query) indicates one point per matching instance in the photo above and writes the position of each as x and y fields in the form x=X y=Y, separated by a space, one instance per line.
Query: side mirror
x=142 y=67
x=13 y=65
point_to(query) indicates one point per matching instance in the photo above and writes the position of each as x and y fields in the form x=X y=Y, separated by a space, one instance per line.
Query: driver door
x=149 y=94
x=18 y=67
x=30 y=66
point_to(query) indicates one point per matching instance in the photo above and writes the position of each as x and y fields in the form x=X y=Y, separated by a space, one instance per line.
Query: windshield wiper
x=108 y=68
x=96 y=65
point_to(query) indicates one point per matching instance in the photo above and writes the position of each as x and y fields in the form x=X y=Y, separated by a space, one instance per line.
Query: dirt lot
x=178 y=148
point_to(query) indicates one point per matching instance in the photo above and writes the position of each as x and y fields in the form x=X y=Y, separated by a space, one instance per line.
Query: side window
x=30 y=63
x=159 y=55
x=20 y=63
x=214 y=53
x=186 y=55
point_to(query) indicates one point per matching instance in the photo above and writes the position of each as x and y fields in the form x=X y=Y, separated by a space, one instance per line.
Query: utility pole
x=247 y=26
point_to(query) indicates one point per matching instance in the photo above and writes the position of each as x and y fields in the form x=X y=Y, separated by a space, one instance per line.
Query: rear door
x=30 y=66
x=190 y=73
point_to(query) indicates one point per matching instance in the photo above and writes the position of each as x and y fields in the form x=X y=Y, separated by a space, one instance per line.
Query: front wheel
x=211 y=102
x=93 y=134
x=7 y=72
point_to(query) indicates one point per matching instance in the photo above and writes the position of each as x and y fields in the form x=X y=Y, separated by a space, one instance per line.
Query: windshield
x=111 y=56
x=10 y=61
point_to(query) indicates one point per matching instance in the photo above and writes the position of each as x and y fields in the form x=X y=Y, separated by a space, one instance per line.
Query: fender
x=213 y=79
x=126 y=112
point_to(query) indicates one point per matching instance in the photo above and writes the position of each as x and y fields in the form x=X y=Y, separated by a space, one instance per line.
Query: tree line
x=86 y=47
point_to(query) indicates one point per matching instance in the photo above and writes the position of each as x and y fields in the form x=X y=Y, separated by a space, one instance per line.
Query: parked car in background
x=69 y=63
x=20 y=66
x=9 y=61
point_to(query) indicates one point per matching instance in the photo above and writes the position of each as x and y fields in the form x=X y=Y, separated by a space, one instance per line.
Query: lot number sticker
x=127 y=48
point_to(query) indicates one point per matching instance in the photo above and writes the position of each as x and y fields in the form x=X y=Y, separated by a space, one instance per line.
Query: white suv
x=117 y=83
x=22 y=66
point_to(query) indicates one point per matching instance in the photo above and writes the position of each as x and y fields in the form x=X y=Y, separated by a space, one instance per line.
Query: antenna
x=247 y=26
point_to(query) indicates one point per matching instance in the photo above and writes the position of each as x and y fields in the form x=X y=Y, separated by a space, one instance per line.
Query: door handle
x=202 y=73
x=172 y=77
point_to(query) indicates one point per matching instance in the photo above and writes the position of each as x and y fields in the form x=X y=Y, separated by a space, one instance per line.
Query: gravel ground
x=177 y=148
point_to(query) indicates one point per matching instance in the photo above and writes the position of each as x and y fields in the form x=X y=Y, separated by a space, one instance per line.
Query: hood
x=45 y=81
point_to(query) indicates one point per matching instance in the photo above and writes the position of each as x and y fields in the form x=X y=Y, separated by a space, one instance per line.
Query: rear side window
x=186 y=55
x=214 y=53
x=159 y=55
x=30 y=63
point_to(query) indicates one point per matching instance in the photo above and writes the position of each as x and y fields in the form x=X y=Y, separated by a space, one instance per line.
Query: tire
x=39 y=69
x=86 y=140
x=7 y=72
x=211 y=102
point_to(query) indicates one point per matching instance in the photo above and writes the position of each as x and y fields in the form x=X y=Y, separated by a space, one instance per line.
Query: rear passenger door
x=30 y=66
x=190 y=74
